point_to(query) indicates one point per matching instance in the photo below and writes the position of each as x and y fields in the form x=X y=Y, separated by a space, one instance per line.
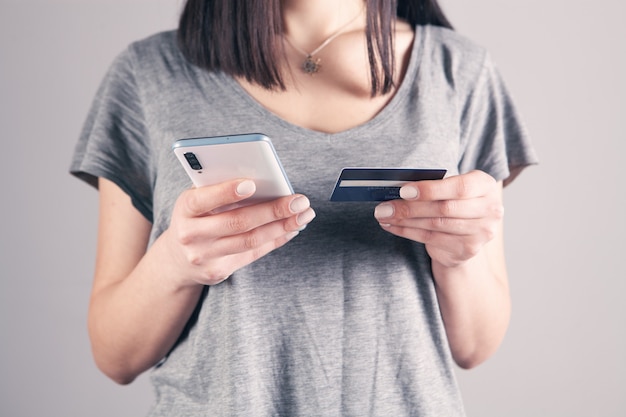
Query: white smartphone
x=212 y=160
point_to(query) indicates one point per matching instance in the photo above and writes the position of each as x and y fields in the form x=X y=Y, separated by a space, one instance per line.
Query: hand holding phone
x=227 y=239
x=204 y=244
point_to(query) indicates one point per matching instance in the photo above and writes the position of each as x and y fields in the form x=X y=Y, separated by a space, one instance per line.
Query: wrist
x=446 y=270
x=170 y=267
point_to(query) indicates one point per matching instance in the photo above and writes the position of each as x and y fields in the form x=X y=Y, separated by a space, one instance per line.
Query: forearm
x=459 y=220
x=475 y=306
x=134 y=322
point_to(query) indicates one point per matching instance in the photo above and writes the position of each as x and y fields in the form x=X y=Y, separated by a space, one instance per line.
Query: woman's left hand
x=454 y=217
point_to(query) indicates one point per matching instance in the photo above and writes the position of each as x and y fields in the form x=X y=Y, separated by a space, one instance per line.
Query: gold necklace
x=310 y=65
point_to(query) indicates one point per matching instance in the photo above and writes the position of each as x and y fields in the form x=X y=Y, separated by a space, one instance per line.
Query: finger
x=214 y=273
x=460 y=228
x=258 y=237
x=256 y=253
x=295 y=210
x=198 y=202
x=459 y=187
x=464 y=248
x=476 y=208
x=452 y=226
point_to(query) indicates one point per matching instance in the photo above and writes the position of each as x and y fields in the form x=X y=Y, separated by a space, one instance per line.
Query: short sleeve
x=114 y=142
x=492 y=136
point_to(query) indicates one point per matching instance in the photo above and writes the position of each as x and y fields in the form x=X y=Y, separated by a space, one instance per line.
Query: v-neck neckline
x=386 y=111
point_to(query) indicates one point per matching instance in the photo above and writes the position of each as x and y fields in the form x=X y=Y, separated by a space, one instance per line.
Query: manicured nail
x=299 y=204
x=291 y=235
x=246 y=187
x=409 y=192
x=305 y=218
x=383 y=211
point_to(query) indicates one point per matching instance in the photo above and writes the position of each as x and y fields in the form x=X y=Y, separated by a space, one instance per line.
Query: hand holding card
x=378 y=184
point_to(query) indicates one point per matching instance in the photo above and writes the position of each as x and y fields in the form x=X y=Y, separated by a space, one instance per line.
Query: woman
x=366 y=311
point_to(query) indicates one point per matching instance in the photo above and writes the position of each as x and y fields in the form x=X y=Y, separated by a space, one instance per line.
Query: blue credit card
x=378 y=184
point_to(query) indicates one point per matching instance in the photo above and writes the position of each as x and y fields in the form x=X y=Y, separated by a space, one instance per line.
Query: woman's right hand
x=208 y=245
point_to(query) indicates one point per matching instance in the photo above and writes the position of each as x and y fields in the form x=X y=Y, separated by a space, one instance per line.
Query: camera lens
x=193 y=161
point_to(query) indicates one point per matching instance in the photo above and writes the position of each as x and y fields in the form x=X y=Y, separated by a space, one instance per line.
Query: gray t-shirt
x=344 y=319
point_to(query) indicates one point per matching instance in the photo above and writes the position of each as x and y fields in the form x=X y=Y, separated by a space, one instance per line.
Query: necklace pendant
x=310 y=65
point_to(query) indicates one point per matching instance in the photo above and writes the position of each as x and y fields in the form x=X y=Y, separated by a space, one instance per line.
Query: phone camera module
x=193 y=161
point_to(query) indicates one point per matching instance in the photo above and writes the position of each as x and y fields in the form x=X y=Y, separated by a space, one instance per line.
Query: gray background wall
x=565 y=63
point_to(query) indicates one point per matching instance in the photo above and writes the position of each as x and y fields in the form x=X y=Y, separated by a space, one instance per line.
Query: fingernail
x=246 y=187
x=291 y=235
x=299 y=204
x=409 y=192
x=383 y=210
x=305 y=218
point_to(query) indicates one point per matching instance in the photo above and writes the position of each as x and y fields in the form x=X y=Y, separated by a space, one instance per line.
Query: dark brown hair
x=242 y=37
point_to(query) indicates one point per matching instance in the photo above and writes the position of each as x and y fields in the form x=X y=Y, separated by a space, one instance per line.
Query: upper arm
x=123 y=234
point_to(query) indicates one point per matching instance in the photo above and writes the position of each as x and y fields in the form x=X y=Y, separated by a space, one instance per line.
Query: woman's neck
x=309 y=23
